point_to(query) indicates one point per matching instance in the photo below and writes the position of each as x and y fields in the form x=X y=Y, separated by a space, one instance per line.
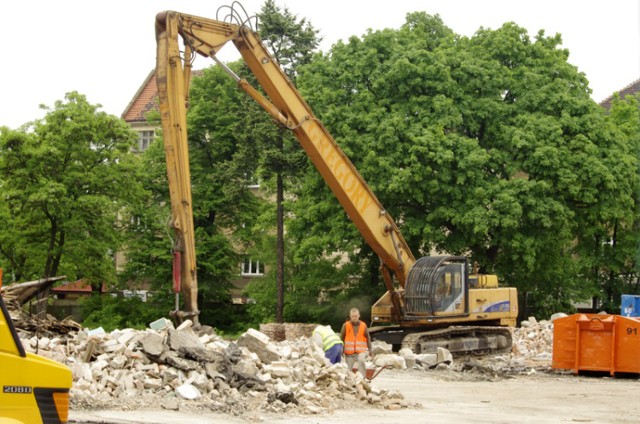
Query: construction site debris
x=16 y=295
x=182 y=369
x=23 y=292
x=196 y=370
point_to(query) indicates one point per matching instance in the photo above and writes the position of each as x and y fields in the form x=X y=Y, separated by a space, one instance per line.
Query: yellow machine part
x=34 y=389
x=485 y=281
x=484 y=305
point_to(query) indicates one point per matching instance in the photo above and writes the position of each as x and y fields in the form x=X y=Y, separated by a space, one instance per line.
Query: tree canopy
x=487 y=146
x=65 y=178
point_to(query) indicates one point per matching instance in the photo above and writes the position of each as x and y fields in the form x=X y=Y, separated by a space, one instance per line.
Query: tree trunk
x=280 y=251
x=280 y=242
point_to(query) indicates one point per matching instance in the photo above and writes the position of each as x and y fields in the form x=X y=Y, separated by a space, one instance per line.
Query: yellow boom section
x=286 y=106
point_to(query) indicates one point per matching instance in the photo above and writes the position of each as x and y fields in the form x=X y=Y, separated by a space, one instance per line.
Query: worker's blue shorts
x=334 y=353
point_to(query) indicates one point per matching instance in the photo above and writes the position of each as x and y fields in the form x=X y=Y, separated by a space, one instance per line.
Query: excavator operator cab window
x=436 y=285
x=449 y=290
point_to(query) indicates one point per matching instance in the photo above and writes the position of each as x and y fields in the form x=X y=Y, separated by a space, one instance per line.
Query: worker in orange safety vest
x=357 y=341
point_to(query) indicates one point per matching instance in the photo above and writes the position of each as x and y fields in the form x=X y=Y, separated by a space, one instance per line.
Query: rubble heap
x=181 y=369
x=531 y=351
x=533 y=340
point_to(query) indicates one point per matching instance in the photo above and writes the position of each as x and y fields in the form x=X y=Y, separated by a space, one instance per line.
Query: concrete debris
x=381 y=348
x=531 y=351
x=196 y=370
x=259 y=344
x=188 y=391
x=188 y=370
x=390 y=360
x=533 y=340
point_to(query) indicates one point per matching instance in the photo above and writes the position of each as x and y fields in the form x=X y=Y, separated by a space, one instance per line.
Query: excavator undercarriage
x=460 y=340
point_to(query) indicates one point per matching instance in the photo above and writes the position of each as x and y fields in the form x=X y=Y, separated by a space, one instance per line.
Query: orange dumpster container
x=595 y=342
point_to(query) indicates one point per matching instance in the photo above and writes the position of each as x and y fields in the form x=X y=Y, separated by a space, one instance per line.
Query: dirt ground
x=446 y=397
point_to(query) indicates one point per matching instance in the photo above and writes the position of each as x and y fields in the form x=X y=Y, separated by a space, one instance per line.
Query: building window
x=251 y=267
x=253 y=181
x=146 y=137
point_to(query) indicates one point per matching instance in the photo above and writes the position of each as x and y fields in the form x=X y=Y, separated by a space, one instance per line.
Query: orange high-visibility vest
x=355 y=343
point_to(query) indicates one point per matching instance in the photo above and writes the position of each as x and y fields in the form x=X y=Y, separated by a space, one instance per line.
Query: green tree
x=113 y=313
x=224 y=159
x=222 y=162
x=291 y=41
x=65 y=179
x=149 y=239
x=613 y=245
x=487 y=146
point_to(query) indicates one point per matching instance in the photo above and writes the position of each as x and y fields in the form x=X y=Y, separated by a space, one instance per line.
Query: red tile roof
x=146 y=99
x=143 y=101
x=629 y=90
x=79 y=286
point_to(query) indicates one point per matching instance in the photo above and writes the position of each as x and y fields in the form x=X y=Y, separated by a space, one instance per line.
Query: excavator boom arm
x=206 y=37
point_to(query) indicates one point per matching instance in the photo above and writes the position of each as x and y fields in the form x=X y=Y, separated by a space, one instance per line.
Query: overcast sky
x=105 y=49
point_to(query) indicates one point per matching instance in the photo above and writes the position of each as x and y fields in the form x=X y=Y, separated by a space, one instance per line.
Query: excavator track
x=461 y=340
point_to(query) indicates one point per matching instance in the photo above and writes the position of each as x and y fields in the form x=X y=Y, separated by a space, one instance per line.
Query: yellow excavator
x=430 y=302
x=35 y=390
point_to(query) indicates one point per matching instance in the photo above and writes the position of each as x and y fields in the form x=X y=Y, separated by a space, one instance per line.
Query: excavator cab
x=446 y=305
x=436 y=286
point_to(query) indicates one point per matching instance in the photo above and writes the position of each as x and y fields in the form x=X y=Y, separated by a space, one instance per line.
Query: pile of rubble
x=183 y=369
x=531 y=351
x=533 y=340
